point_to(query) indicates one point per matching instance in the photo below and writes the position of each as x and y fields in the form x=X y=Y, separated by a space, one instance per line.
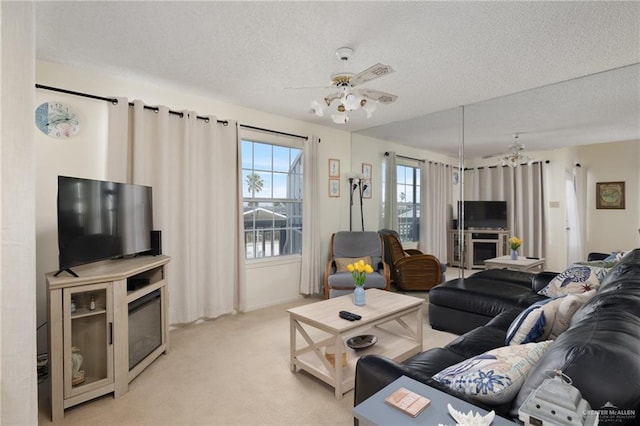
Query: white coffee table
x=395 y=319
x=522 y=264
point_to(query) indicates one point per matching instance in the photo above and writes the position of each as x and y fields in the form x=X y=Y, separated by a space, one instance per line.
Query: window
x=408 y=199
x=272 y=199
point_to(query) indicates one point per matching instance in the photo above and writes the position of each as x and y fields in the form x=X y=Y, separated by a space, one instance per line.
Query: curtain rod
x=495 y=167
x=114 y=101
x=386 y=154
x=274 y=132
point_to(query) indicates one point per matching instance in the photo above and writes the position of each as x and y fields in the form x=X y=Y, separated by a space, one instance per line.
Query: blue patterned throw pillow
x=534 y=324
x=576 y=279
x=494 y=377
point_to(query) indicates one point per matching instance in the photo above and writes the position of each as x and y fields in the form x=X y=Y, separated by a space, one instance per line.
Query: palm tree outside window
x=272 y=199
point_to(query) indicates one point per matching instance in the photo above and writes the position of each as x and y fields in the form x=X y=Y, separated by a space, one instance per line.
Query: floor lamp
x=352 y=187
x=356 y=182
x=363 y=187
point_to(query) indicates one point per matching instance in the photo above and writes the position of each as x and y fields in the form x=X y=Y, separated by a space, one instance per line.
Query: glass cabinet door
x=88 y=338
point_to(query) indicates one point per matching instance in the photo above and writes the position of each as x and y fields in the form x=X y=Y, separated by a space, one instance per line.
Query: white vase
x=514 y=254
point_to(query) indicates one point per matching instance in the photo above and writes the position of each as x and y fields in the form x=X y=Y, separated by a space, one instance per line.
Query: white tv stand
x=478 y=245
x=89 y=321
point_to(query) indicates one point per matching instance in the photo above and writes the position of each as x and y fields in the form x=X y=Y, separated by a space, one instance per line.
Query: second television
x=484 y=214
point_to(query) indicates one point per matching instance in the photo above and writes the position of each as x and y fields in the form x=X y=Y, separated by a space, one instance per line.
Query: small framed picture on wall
x=366 y=171
x=610 y=195
x=366 y=180
x=334 y=187
x=334 y=168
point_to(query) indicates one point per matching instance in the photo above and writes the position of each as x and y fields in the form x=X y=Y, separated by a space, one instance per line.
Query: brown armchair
x=410 y=269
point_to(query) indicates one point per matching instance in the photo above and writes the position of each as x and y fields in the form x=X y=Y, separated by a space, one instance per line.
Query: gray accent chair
x=354 y=245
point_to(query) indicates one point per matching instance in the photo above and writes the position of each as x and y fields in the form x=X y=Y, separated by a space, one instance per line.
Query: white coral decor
x=470 y=419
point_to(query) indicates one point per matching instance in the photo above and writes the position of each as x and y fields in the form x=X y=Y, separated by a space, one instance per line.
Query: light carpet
x=230 y=371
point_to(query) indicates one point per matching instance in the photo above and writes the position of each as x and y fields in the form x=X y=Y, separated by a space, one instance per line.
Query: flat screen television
x=100 y=220
x=484 y=214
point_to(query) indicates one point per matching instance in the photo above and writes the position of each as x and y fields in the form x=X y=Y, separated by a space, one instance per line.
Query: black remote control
x=349 y=316
x=346 y=316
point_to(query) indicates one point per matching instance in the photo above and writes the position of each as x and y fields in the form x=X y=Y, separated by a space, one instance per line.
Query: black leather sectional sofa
x=600 y=351
x=462 y=304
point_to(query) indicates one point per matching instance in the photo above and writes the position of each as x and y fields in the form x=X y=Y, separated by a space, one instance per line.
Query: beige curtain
x=436 y=194
x=192 y=165
x=240 y=299
x=575 y=182
x=529 y=220
x=119 y=162
x=521 y=188
x=311 y=268
x=390 y=201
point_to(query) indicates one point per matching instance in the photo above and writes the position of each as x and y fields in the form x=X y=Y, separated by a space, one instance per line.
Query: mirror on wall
x=585 y=130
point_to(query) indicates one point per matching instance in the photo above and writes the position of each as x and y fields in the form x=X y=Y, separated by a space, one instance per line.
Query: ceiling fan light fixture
x=317 y=108
x=515 y=157
x=340 y=118
x=350 y=102
x=369 y=107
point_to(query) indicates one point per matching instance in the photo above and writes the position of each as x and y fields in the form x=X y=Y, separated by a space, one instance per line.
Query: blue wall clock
x=57 y=120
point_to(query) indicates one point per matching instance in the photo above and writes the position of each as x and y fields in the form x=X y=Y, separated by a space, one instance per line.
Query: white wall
x=608 y=229
x=18 y=382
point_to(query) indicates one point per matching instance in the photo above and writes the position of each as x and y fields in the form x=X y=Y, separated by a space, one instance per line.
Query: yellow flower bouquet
x=359 y=271
x=515 y=243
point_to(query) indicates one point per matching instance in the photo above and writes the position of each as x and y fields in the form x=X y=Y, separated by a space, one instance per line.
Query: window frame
x=414 y=206
x=296 y=203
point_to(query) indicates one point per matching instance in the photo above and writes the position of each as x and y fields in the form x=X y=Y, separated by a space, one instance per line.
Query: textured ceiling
x=445 y=54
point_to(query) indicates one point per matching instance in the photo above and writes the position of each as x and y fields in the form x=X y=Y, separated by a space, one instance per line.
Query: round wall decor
x=57 y=120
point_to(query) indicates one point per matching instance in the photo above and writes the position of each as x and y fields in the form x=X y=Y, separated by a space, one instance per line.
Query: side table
x=523 y=264
x=374 y=411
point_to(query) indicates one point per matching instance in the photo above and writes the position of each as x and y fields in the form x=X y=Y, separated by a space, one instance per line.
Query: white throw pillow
x=568 y=306
x=494 y=377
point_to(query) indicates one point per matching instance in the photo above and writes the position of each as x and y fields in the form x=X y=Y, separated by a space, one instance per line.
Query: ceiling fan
x=349 y=92
x=514 y=156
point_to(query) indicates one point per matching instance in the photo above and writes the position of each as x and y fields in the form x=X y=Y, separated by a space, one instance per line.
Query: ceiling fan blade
x=495 y=154
x=514 y=149
x=376 y=95
x=308 y=87
x=376 y=71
